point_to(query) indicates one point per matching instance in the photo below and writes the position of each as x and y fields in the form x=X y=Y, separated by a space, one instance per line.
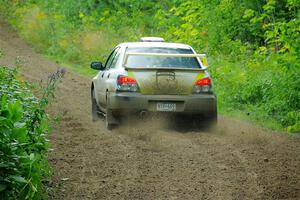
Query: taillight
x=202 y=85
x=127 y=84
x=126 y=80
x=203 y=81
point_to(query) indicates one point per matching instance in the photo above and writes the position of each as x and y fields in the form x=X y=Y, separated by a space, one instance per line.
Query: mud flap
x=110 y=118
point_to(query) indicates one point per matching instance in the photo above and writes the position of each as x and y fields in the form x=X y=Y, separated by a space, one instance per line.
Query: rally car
x=152 y=76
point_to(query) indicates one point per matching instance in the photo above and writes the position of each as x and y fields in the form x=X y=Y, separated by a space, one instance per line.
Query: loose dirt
x=240 y=161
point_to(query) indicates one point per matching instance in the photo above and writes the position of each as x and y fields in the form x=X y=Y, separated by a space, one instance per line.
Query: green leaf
x=31 y=157
x=19 y=179
x=4 y=122
x=248 y=13
x=19 y=125
x=20 y=134
x=33 y=188
x=15 y=111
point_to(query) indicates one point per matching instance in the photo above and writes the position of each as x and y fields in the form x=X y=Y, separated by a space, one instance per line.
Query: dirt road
x=146 y=161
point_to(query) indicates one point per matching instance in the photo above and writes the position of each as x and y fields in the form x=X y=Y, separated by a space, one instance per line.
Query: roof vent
x=152 y=39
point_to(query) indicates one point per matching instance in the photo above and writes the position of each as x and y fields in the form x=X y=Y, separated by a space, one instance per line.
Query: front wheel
x=95 y=108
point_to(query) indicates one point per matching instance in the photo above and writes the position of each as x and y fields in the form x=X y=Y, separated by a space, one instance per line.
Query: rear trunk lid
x=164 y=71
x=165 y=81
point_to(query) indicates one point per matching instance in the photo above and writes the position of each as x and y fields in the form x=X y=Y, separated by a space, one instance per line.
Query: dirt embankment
x=148 y=162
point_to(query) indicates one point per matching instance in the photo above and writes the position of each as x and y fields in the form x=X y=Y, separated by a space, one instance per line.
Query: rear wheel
x=110 y=119
x=108 y=123
x=211 y=124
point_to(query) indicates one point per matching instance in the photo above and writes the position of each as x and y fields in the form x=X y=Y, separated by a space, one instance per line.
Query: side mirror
x=97 y=66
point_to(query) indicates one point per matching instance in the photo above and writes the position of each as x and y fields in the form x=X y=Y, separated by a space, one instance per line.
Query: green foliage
x=264 y=89
x=254 y=45
x=23 y=144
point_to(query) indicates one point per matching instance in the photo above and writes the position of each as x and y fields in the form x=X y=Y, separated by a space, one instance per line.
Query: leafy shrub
x=23 y=144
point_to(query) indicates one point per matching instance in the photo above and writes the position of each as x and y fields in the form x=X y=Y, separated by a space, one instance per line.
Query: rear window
x=155 y=61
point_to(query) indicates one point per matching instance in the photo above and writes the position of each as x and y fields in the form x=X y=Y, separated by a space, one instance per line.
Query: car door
x=103 y=76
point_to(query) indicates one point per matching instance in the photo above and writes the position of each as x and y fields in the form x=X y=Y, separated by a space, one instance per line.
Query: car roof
x=155 y=44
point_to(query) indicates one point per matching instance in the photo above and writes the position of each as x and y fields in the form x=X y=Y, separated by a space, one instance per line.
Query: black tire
x=109 y=116
x=109 y=126
x=211 y=122
x=95 y=108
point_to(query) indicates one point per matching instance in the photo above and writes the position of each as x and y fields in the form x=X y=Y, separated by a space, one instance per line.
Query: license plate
x=167 y=107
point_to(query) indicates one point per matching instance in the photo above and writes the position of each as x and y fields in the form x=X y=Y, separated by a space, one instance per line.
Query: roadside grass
x=80 y=70
x=253 y=117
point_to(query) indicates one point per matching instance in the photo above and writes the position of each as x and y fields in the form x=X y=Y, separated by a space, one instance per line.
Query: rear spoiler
x=203 y=60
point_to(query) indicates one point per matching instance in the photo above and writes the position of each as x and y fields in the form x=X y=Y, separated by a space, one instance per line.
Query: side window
x=111 y=58
x=115 y=59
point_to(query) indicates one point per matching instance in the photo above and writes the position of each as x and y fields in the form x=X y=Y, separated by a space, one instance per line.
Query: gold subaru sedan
x=153 y=76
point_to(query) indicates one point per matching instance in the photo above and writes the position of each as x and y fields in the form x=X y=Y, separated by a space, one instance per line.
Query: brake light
x=126 y=80
x=127 y=84
x=202 y=86
x=203 y=81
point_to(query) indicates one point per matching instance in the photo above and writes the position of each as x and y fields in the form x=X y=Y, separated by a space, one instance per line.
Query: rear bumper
x=203 y=104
